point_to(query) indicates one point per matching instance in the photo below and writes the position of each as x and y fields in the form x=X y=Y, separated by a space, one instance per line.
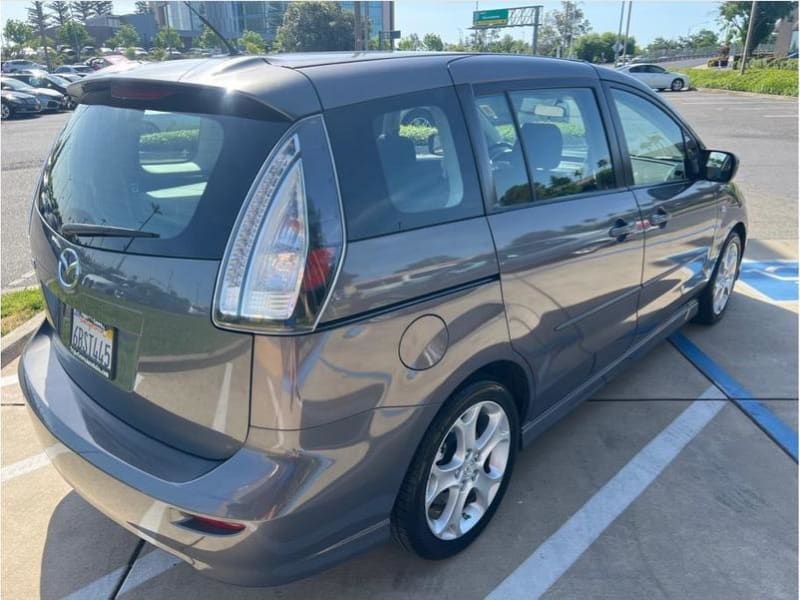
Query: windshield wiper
x=90 y=229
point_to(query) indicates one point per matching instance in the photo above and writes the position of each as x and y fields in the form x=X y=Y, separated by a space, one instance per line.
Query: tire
x=6 y=112
x=479 y=483
x=676 y=85
x=419 y=117
x=711 y=312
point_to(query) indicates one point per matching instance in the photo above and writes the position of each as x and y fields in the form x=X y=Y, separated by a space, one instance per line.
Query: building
x=102 y=28
x=233 y=18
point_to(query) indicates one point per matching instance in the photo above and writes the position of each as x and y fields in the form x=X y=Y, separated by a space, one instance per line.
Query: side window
x=403 y=163
x=655 y=141
x=564 y=142
x=505 y=154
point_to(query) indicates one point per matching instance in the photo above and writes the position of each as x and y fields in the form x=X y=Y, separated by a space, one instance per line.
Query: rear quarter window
x=403 y=163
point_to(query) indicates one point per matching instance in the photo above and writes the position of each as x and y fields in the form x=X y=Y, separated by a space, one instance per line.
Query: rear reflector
x=207 y=525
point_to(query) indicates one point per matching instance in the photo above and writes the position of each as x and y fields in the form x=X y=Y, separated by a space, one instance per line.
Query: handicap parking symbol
x=776 y=279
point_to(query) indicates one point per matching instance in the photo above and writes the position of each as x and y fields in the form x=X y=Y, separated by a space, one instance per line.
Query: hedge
x=179 y=139
x=781 y=81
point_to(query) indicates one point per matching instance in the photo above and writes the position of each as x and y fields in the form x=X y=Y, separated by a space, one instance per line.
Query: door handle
x=659 y=218
x=621 y=230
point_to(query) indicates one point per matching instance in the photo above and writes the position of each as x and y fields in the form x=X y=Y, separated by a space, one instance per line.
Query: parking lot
x=661 y=487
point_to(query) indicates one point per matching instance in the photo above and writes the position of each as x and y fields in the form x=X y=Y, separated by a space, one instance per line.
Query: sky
x=450 y=19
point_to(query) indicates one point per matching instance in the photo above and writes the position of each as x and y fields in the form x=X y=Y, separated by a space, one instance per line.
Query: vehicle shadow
x=82 y=545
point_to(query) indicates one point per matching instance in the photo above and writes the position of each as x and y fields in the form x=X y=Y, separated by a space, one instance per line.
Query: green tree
x=251 y=42
x=508 y=44
x=40 y=21
x=316 y=26
x=433 y=42
x=102 y=8
x=75 y=35
x=208 y=39
x=661 y=44
x=705 y=38
x=411 y=42
x=547 y=43
x=82 y=10
x=736 y=16
x=167 y=37
x=17 y=34
x=569 y=24
x=60 y=11
x=126 y=36
x=142 y=8
x=599 y=47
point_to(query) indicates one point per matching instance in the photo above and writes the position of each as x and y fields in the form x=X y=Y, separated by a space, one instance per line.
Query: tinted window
x=180 y=176
x=403 y=163
x=655 y=142
x=505 y=154
x=564 y=142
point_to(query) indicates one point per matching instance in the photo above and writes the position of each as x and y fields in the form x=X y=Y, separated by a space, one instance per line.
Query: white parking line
x=562 y=549
x=779 y=116
x=23 y=467
x=9 y=380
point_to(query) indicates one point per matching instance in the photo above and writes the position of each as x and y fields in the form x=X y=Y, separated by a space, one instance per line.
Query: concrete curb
x=13 y=343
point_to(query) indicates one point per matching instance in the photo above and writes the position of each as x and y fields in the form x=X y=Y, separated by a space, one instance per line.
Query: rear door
x=565 y=228
x=131 y=305
x=679 y=211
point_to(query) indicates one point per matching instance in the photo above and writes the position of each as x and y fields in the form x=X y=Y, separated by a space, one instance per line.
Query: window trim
x=469 y=95
x=687 y=132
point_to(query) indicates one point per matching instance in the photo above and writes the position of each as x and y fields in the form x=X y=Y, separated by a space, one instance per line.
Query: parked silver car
x=286 y=322
x=657 y=77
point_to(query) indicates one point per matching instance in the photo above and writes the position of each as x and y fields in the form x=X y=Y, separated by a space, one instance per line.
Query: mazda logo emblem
x=69 y=268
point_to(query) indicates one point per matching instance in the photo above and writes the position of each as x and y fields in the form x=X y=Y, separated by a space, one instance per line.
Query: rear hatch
x=131 y=219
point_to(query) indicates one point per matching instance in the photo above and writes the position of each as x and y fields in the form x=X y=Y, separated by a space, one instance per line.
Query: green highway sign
x=497 y=17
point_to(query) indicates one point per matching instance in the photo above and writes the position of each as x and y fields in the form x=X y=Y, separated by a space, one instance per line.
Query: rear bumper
x=307 y=499
x=26 y=109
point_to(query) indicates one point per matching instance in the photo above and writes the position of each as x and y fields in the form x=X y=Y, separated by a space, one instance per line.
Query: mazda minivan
x=299 y=304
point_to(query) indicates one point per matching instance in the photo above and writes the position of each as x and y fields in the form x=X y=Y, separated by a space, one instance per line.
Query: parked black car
x=47 y=81
x=18 y=103
x=50 y=99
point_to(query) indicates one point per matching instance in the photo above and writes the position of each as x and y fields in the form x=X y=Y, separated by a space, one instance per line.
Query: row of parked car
x=27 y=88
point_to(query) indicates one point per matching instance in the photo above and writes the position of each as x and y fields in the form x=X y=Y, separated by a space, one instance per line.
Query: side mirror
x=720 y=166
x=434 y=144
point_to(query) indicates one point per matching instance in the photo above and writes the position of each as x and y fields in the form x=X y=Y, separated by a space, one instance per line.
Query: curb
x=13 y=343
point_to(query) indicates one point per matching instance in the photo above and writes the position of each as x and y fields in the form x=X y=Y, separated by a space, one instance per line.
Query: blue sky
x=449 y=18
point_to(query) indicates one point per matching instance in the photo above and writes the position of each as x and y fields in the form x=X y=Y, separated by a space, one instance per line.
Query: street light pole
x=627 y=29
x=619 y=33
x=749 y=36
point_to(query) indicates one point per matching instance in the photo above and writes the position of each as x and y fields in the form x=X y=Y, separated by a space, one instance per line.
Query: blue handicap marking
x=776 y=279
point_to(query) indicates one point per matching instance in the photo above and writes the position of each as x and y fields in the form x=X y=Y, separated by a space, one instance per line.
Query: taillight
x=283 y=253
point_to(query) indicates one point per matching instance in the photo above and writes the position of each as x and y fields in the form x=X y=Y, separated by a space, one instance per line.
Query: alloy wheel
x=6 y=112
x=726 y=276
x=468 y=470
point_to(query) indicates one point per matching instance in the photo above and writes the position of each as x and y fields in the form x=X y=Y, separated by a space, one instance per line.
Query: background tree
x=208 y=39
x=60 y=12
x=74 y=34
x=251 y=42
x=126 y=37
x=167 y=37
x=661 y=44
x=433 y=42
x=599 y=47
x=705 y=38
x=40 y=20
x=410 y=42
x=142 y=8
x=736 y=16
x=18 y=34
x=82 y=10
x=569 y=24
x=102 y=8
x=316 y=26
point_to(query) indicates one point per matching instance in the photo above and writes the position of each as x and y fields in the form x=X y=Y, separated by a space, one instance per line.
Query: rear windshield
x=180 y=177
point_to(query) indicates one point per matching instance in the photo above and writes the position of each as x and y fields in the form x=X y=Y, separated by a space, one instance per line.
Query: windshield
x=179 y=176
x=58 y=80
x=16 y=85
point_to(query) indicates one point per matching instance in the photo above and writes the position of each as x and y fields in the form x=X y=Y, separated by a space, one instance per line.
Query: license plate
x=93 y=342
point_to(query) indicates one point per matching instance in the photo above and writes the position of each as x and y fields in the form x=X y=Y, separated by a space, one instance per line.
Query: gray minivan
x=297 y=304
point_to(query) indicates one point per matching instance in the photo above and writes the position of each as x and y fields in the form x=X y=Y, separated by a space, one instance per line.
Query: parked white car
x=657 y=77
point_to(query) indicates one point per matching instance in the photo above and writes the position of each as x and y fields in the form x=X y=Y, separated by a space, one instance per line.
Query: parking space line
x=146 y=568
x=9 y=380
x=23 y=467
x=780 y=433
x=561 y=550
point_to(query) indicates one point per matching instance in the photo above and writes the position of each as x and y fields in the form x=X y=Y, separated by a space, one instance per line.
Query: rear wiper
x=89 y=229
